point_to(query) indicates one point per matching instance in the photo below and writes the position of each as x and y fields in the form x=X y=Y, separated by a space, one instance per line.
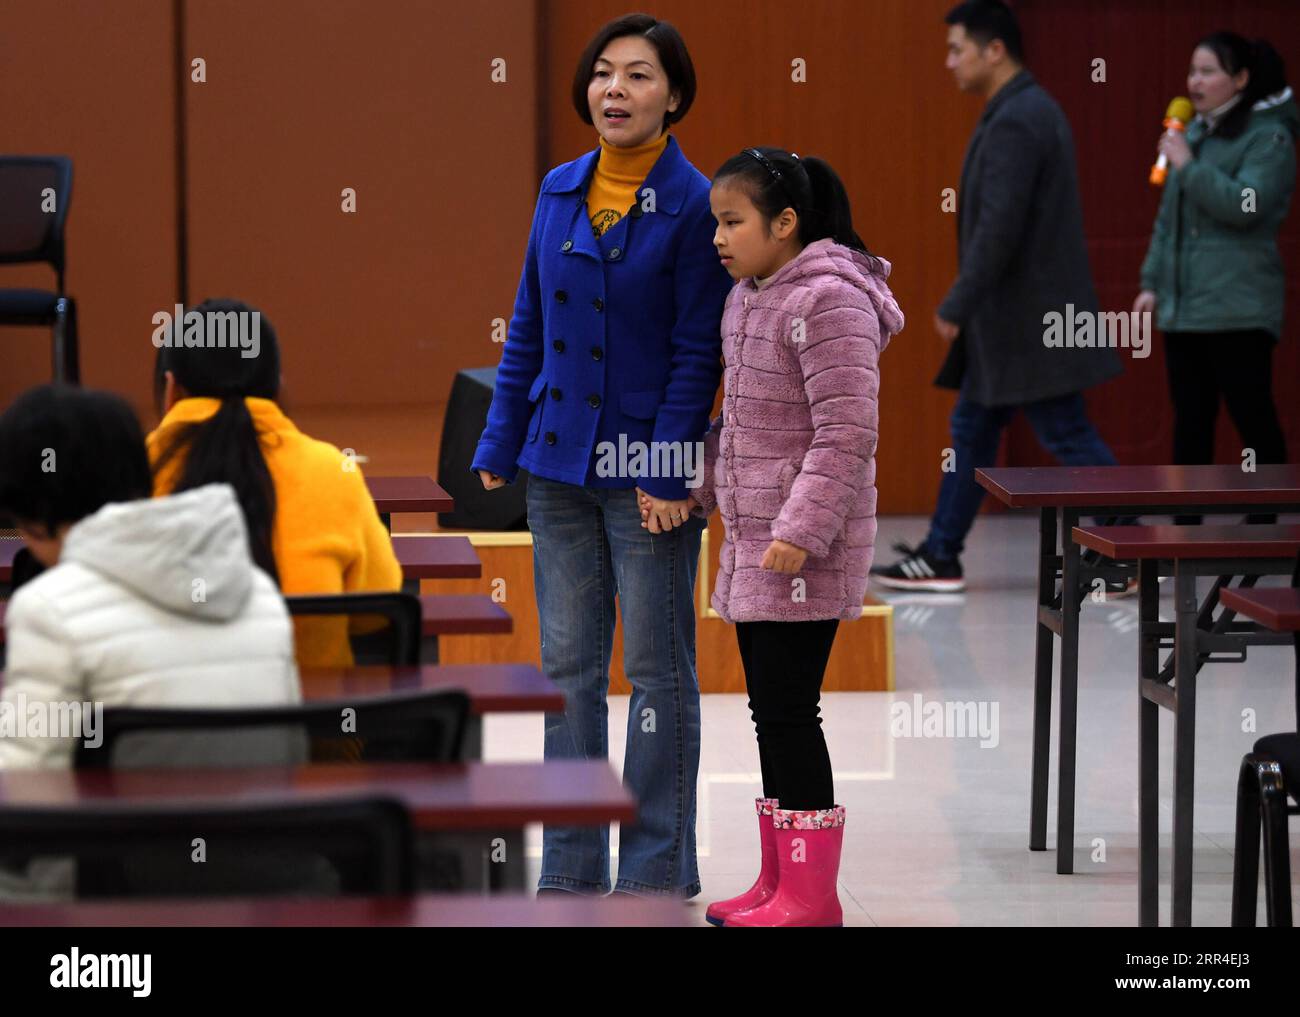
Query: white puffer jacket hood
x=152 y=603
x=187 y=553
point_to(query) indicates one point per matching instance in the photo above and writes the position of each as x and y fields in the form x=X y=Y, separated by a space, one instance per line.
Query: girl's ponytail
x=1267 y=71
x=831 y=214
x=226 y=447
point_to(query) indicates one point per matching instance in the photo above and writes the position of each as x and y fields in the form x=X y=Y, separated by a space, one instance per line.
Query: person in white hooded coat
x=145 y=602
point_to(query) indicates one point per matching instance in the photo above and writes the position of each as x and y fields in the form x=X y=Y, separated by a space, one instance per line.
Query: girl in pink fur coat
x=790 y=464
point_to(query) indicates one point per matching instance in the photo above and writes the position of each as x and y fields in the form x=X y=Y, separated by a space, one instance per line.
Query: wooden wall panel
x=378 y=311
x=394 y=99
x=878 y=105
x=94 y=81
x=860 y=661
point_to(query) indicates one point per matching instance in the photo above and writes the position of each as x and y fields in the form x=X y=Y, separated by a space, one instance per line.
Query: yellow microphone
x=1177 y=116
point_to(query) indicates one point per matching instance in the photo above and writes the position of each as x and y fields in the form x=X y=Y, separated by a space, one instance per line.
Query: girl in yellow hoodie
x=312 y=524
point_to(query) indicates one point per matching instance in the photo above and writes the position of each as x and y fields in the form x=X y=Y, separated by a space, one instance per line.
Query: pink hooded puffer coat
x=793 y=455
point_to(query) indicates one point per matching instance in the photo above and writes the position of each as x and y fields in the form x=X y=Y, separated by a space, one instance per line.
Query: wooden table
x=390 y=494
x=407 y=494
x=443 y=614
x=492 y=688
x=423 y=557
x=455 y=614
x=463 y=807
x=1197 y=638
x=432 y=558
x=436 y=558
x=511 y=910
x=9 y=547
x=1062 y=495
x=1276 y=609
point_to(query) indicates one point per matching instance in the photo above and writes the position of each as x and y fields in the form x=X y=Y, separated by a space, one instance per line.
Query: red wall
x=1147 y=47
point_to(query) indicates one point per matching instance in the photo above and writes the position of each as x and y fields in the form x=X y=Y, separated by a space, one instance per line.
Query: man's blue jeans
x=588 y=546
x=1062 y=427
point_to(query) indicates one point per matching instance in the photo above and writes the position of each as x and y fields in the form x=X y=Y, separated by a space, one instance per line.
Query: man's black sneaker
x=917 y=570
x=1118 y=589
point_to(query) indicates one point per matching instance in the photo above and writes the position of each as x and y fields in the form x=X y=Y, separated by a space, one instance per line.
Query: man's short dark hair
x=986 y=20
x=669 y=46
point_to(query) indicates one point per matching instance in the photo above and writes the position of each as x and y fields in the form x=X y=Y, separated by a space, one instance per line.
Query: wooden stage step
x=861 y=661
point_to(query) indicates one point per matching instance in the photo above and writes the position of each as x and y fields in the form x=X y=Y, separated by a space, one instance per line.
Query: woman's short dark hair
x=986 y=20
x=673 y=56
x=67 y=452
x=1235 y=54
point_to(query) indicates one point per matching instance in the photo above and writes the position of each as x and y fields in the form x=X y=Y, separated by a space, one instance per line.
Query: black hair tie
x=776 y=174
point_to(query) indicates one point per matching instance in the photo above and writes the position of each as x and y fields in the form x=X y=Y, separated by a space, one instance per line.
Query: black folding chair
x=34 y=194
x=419 y=726
x=1269 y=773
x=352 y=845
x=396 y=643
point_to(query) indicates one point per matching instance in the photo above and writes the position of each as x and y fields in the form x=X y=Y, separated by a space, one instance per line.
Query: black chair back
x=420 y=726
x=28 y=233
x=1295 y=639
x=352 y=845
x=395 y=642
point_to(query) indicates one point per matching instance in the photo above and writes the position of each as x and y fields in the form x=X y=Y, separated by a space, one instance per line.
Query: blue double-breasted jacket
x=611 y=336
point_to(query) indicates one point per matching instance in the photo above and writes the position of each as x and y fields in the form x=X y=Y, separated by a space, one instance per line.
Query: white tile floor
x=938 y=827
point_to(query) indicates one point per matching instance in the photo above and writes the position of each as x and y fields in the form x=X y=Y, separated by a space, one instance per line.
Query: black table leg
x=1070 y=595
x=1185 y=667
x=1148 y=747
x=1043 y=650
x=472 y=743
x=428 y=649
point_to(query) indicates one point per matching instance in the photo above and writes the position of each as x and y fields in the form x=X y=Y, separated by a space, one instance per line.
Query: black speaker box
x=476 y=508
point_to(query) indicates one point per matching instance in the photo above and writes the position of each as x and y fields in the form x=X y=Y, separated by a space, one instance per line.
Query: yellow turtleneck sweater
x=619 y=172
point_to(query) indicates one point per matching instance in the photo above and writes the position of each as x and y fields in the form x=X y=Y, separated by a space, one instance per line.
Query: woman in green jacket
x=1212 y=274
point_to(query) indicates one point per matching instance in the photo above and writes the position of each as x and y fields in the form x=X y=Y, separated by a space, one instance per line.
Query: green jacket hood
x=1281 y=109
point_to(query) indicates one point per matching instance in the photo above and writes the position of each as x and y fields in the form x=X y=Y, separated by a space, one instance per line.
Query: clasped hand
x=780 y=555
x=659 y=514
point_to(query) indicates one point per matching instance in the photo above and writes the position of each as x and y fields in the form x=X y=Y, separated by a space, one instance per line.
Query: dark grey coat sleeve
x=1008 y=165
x=1022 y=255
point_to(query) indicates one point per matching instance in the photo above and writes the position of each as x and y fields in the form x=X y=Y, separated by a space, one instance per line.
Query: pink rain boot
x=808 y=858
x=765 y=885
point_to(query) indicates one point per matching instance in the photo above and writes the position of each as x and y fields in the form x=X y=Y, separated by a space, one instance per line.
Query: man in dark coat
x=1022 y=261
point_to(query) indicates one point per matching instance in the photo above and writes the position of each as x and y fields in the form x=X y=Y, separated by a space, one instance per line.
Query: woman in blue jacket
x=613 y=347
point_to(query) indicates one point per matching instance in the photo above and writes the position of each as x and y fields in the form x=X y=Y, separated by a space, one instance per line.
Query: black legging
x=784 y=666
x=1202 y=366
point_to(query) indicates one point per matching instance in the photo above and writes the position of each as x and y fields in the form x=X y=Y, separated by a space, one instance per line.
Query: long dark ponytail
x=226 y=448
x=1267 y=74
x=776 y=180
